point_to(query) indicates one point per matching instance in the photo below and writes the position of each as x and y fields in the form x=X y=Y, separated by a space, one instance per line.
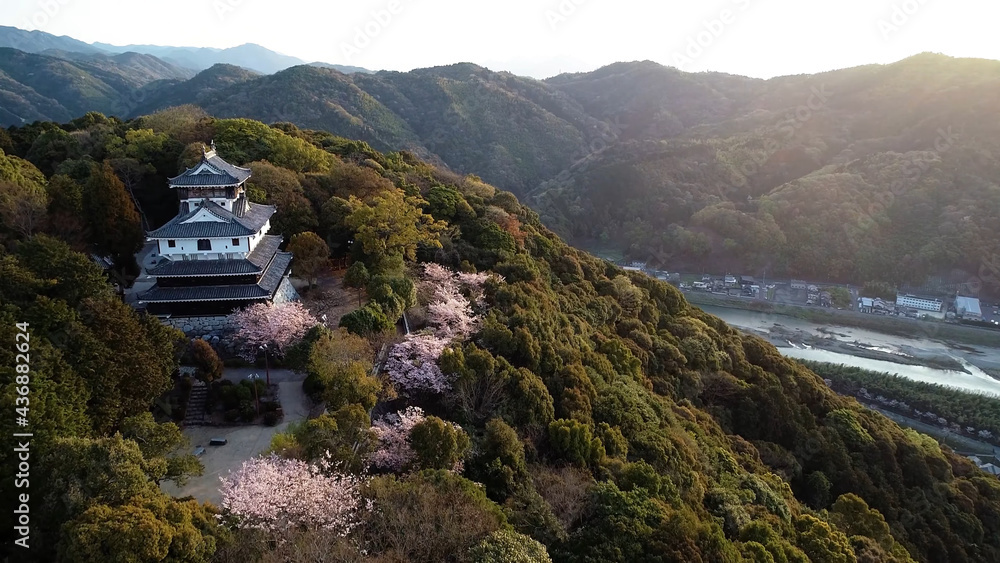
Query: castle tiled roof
x=252 y=264
x=231 y=226
x=211 y=171
x=263 y=289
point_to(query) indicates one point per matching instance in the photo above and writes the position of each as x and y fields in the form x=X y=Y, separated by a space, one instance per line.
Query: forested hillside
x=878 y=173
x=555 y=407
x=43 y=87
x=882 y=173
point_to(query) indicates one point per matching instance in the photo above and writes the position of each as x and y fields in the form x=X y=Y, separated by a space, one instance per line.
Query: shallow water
x=976 y=381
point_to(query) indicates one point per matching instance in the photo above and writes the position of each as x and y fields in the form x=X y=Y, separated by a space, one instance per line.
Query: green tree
x=311 y=256
x=822 y=543
x=76 y=277
x=206 y=360
x=283 y=189
x=392 y=225
x=158 y=444
x=142 y=531
x=420 y=517
x=852 y=515
x=122 y=534
x=574 y=442
x=438 y=444
x=357 y=276
x=23 y=207
x=344 y=435
x=840 y=297
x=499 y=461
x=115 y=228
x=367 y=321
x=505 y=546
x=347 y=384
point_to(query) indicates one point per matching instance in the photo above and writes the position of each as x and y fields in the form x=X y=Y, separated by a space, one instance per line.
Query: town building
x=968 y=308
x=872 y=306
x=919 y=303
x=635 y=266
x=216 y=255
x=798 y=284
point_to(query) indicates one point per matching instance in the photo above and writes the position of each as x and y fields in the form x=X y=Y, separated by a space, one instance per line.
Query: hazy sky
x=540 y=38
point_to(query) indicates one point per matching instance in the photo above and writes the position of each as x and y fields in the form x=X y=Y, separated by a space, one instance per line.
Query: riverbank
x=947 y=333
x=783 y=337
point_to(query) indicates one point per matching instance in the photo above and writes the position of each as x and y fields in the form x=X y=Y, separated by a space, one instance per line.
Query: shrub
x=204 y=358
x=248 y=411
x=271 y=418
x=313 y=386
x=232 y=415
x=367 y=321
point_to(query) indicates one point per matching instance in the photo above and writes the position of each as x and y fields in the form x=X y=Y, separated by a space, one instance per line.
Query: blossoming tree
x=394 y=452
x=274 y=326
x=273 y=493
x=396 y=437
x=412 y=364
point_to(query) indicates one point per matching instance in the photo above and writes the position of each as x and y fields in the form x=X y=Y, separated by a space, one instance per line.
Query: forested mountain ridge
x=38 y=41
x=820 y=176
x=605 y=418
x=43 y=87
x=874 y=173
x=249 y=55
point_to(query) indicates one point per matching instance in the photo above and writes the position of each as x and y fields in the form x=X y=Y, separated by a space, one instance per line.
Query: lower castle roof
x=265 y=288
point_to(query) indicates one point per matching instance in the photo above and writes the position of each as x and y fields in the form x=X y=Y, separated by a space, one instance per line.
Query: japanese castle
x=216 y=255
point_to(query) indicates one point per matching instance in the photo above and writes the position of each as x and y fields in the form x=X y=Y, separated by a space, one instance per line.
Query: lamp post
x=254 y=377
x=267 y=365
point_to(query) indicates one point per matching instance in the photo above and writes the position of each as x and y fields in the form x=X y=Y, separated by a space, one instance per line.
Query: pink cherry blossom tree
x=394 y=452
x=274 y=326
x=412 y=364
x=273 y=493
x=449 y=310
x=450 y=313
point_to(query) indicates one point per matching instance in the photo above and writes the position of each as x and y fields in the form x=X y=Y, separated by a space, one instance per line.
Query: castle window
x=236 y=242
x=172 y=243
x=204 y=244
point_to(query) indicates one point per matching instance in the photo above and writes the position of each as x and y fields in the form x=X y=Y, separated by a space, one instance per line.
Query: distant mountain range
x=880 y=172
x=249 y=56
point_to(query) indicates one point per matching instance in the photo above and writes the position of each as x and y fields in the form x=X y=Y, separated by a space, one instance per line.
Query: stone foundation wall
x=217 y=331
x=286 y=292
x=207 y=328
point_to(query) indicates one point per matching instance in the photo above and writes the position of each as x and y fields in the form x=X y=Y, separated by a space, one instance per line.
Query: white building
x=216 y=253
x=968 y=308
x=931 y=304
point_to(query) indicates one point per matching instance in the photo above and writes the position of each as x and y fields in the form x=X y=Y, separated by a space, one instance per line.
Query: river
x=976 y=380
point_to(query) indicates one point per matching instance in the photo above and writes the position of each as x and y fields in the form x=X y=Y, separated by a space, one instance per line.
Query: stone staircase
x=195 y=414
